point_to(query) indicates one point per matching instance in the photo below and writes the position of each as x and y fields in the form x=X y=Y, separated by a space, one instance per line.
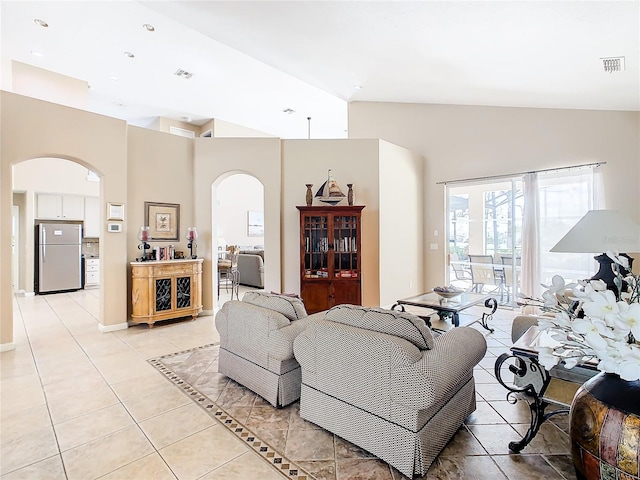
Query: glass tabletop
x=454 y=304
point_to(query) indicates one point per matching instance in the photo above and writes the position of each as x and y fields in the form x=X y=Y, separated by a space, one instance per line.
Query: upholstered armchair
x=256 y=344
x=381 y=380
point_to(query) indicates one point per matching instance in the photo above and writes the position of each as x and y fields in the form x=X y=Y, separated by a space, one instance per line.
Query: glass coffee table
x=451 y=307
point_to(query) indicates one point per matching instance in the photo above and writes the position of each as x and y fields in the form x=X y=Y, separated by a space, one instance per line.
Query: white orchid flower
x=628 y=319
x=619 y=259
x=599 y=285
x=547 y=358
x=593 y=331
x=550 y=299
x=601 y=304
x=630 y=365
x=557 y=284
x=563 y=320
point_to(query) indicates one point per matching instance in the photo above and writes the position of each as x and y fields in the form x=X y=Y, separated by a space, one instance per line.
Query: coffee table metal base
x=446 y=310
x=538 y=405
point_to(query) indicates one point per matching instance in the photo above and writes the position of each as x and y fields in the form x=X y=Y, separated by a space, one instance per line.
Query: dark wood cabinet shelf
x=330 y=256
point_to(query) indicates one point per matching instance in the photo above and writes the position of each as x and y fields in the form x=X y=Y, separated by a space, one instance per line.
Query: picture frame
x=255 y=224
x=115 y=211
x=163 y=220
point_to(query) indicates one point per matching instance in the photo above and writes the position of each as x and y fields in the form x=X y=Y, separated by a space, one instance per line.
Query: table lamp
x=144 y=236
x=192 y=236
x=602 y=231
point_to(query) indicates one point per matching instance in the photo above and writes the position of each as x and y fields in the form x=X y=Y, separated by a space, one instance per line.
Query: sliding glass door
x=485 y=230
x=485 y=236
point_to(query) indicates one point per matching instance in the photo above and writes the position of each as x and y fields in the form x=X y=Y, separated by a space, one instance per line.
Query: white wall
x=401 y=254
x=54 y=175
x=50 y=86
x=216 y=159
x=236 y=196
x=461 y=142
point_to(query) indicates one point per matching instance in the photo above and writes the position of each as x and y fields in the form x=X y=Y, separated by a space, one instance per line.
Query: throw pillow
x=399 y=324
x=290 y=307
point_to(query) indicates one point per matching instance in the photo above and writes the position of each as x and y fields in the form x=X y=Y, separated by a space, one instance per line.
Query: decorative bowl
x=449 y=294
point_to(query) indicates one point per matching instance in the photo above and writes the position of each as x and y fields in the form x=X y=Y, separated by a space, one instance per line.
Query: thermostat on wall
x=114 y=227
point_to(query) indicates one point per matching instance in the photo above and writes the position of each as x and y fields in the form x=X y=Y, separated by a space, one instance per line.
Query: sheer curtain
x=531 y=237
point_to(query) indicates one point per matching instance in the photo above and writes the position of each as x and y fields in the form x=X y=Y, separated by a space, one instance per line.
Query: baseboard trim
x=22 y=293
x=113 y=328
x=207 y=313
x=7 y=347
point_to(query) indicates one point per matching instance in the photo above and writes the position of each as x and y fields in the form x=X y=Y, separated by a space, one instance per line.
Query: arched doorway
x=238 y=220
x=40 y=187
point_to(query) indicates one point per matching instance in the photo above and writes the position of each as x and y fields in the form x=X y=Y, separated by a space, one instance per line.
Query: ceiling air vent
x=613 y=64
x=183 y=73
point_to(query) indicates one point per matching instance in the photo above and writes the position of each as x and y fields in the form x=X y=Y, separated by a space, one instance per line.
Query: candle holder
x=192 y=235
x=143 y=236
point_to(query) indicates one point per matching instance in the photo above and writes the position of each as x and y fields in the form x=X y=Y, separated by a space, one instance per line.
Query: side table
x=534 y=382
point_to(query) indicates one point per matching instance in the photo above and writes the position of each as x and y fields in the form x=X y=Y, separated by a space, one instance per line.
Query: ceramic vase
x=350 y=196
x=605 y=428
x=309 y=194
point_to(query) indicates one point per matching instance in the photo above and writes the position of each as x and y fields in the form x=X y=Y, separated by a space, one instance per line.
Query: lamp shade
x=599 y=231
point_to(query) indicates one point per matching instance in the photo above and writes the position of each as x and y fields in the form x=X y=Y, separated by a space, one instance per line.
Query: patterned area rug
x=202 y=363
x=297 y=449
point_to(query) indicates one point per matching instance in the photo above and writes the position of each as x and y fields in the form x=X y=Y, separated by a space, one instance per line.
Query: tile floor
x=80 y=404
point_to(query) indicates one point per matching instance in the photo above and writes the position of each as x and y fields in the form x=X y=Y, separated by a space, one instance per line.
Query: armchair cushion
x=290 y=307
x=399 y=324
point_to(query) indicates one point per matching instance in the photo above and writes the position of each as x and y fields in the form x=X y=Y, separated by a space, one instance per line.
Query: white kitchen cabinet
x=60 y=207
x=91 y=217
x=91 y=272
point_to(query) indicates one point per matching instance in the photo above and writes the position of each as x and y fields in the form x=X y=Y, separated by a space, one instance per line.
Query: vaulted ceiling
x=253 y=61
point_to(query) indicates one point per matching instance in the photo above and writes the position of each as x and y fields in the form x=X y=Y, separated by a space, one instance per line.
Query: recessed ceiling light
x=186 y=119
x=118 y=104
x=113 y=78
x=128 y=54
x=357 y=87
x=148 y=27
x=42 y=23
x=36 y=53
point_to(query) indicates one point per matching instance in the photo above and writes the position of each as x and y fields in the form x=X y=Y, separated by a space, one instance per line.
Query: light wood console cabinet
x=166 y=289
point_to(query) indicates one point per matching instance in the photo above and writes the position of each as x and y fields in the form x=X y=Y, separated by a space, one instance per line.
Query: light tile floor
x=79 y=404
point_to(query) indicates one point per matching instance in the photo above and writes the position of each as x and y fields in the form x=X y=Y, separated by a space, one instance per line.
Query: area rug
x=297 y=449
x=196 y=363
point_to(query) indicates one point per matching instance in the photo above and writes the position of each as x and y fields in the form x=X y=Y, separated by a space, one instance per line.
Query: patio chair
x=507 y=271
x=483 y=273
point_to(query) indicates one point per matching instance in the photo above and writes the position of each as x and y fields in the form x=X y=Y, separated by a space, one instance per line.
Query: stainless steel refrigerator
x=59 y=257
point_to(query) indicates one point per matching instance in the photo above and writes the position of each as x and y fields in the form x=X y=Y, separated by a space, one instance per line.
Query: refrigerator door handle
x=44 y=241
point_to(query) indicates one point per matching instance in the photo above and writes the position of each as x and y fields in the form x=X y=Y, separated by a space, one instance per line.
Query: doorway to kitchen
x=58 y=191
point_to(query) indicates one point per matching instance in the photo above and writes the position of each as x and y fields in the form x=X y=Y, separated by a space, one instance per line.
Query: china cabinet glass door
x=316 y=257
x=345 y=238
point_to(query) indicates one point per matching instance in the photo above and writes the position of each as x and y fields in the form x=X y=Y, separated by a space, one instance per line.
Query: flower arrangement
x=594 y=322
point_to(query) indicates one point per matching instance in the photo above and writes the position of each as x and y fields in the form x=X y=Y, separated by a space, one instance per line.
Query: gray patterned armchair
x=256 y=344
x=379 y=379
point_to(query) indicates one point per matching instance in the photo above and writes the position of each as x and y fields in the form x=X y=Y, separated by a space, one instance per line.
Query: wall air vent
x=183 y=73
x=613 y=64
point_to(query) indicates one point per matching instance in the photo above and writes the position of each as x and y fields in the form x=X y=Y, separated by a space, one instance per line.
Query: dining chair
x=483 y=273
x=228 y=271
x=507 y=269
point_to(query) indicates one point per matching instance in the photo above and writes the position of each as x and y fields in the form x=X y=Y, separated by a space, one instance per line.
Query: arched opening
x=60 y=191
x=238 y=221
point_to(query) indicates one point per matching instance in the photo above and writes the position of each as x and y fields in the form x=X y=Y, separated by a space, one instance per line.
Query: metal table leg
x=538 y=404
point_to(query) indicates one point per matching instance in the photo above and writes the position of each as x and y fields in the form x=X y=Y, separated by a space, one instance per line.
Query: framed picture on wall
x=163 y=220
x=255 y=224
